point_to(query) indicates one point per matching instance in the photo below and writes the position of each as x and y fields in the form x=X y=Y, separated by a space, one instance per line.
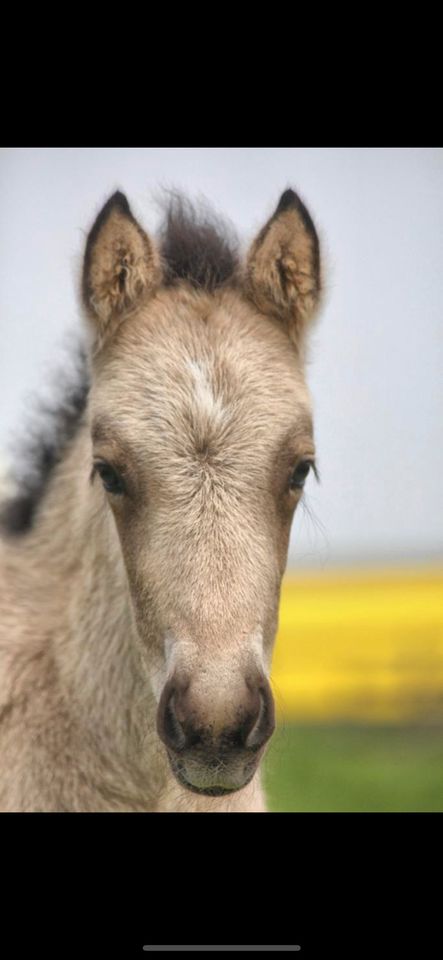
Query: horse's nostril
x=169 y=727
x=182 y=727
x=264 y=720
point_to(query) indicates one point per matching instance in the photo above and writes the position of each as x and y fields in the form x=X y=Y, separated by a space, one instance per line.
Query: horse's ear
x=120 y=264
x=282 y=273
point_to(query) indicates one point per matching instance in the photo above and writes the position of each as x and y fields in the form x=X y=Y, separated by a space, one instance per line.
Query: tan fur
x=199 y=399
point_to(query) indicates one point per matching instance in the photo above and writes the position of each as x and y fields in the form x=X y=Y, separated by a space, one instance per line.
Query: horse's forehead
x=199 y=387
x=211 y=351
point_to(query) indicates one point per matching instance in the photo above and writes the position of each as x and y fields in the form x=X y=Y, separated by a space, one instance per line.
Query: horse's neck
x=79 y=583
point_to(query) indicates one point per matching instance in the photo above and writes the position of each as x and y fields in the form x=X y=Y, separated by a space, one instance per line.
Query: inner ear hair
x=120 y=264
x=282 y=271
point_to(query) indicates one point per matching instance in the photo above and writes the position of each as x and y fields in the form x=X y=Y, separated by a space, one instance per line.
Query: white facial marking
x=165 y=669
x=208 y=404
x=256 y=645
x=175 y=648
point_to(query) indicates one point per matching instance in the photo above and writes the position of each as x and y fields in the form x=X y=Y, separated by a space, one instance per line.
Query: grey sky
x=376 y=355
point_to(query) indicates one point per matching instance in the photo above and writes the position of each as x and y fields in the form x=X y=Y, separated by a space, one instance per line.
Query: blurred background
x=358 y=665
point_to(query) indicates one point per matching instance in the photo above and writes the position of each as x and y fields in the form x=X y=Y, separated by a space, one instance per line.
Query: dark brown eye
x=111 y=480
x=299 y=474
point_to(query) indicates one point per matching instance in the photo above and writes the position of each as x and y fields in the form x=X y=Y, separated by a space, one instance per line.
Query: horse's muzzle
x=208 y=755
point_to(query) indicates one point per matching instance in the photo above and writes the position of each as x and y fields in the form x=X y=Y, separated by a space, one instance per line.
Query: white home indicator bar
x=225 y=948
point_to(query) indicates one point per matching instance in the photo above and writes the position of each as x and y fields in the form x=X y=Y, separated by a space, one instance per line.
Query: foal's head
x=202 y=441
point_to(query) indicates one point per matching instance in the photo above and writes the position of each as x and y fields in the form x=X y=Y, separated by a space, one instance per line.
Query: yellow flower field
x=361 y=646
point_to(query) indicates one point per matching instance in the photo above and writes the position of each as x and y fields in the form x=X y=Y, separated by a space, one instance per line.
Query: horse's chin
x=212 y=789
x=207 y=791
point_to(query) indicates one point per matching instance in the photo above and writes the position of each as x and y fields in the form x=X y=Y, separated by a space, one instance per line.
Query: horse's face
x=202 y=438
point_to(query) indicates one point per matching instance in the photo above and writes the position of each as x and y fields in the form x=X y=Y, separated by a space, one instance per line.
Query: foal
x=140 y=586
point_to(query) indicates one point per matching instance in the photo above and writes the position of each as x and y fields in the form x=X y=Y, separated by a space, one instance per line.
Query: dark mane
x=196 y=244
x=44 y=445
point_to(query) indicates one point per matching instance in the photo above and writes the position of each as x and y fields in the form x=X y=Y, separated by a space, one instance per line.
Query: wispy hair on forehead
x=196 y=244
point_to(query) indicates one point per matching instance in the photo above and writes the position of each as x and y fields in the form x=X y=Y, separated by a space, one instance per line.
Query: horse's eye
x=299 y=474
x=111 y=480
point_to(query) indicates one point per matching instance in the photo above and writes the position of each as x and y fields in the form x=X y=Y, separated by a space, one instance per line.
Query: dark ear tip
x=290 y=200
x=287 y=200
x=119 y=201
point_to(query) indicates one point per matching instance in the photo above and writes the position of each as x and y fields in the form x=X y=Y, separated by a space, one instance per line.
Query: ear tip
x=290 y=200
x=287 y=200
x=117 y=200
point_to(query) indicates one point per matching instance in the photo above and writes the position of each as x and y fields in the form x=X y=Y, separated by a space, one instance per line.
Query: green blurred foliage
x=355 y=768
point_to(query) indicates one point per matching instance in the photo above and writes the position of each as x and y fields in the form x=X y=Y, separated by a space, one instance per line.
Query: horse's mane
x=47 y=436
x=196 y=246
